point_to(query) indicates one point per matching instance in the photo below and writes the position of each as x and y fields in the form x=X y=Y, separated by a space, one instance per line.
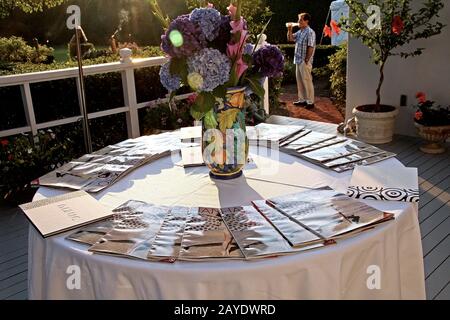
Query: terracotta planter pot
x=435 y=137
x=375 y=127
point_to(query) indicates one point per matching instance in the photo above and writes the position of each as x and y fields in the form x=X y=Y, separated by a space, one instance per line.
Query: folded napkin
x=391 y=184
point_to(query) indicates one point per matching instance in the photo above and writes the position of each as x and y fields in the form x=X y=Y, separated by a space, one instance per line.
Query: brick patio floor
x=324 y=110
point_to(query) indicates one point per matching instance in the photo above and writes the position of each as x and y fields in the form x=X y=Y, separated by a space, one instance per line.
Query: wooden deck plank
x=435 y=169
x=409 y=155
x=13 y=271
x=427 y=160
x=435 y=219
x=437 y=256
x=13 y=280
x=399 y=144
x=23 y=295
x=442 y=180
x=435 y=237
x=444 y=294
x=433 y=193
x=438 y=183
x=13 y=262
x=435 y=284
x=15 y=250
x=430 y=208
x=7 y=229
x=9 y=245
x=13 y=290
x=14 y=234
x=13 y=255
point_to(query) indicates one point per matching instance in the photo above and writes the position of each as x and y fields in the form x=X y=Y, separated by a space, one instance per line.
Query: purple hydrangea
x=224 y=35
x=169 y=81
x=212 y=65
x=193 y=38
x=269 y=61
x=209 y=20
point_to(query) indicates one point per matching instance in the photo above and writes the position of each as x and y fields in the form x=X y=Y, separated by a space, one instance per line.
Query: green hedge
x=321 y=55
x=321 y=62
x=338 y=78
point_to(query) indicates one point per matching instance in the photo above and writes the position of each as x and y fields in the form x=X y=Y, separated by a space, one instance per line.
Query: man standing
x=305 y=44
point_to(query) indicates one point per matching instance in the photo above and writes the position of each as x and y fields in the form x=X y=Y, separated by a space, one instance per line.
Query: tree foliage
x=387 y=41
x=6 y=6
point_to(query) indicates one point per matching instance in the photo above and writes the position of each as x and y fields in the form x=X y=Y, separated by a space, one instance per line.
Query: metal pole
x=326 y=21
x=86 y=132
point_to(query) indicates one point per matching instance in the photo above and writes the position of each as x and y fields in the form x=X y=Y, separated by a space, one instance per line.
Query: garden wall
x=429 y=73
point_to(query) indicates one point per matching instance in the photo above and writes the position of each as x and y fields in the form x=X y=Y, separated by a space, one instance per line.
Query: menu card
x=134 y=233
x=387 y=184
x=207 y=237
x=327 y=213
x=336 y=153
x=297 y=235
x=269 y=135
x=59 y=214
x=253 y=234
x=192 y=157
x=191 y=134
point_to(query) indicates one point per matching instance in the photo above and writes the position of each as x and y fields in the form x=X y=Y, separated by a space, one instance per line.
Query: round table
x=381 y=263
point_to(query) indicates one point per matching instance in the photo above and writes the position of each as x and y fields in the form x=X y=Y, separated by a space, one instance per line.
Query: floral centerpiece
x=209 y=52
x=433 y=124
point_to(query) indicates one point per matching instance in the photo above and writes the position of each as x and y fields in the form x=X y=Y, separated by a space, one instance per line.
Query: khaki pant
x=305 y=85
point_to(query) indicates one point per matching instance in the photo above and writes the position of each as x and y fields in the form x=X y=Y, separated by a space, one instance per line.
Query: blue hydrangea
x=169 y=81
x=209 y=20
x=212 y=65
x=248 y=49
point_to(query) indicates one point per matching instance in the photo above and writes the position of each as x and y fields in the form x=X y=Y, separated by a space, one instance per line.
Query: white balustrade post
x=129 y=94
x=28 y=106
x=266 y=95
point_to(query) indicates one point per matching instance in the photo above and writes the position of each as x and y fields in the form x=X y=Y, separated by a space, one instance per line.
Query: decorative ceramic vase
x=225 y=145
x=375 y=127
x=435 y=137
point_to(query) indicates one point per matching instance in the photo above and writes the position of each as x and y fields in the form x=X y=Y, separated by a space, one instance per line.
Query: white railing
x=129 y=93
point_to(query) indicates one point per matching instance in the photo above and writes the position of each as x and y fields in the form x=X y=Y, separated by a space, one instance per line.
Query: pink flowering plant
x=429 y=114
x=400 y=22
x=209 y=52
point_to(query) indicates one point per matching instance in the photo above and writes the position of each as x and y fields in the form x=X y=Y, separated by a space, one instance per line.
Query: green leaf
x=256 y=88
x=210 y=120
x=179 y=67
x=220 y=92
x=197 y=115
x=205 y=101
x=227 y=118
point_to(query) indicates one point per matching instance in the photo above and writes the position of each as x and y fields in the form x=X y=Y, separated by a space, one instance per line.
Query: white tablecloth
x=338 y=271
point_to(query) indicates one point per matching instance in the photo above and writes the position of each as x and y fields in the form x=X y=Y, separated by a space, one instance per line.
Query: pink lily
x=232 y=10
x=237 y=25
x=241 y=66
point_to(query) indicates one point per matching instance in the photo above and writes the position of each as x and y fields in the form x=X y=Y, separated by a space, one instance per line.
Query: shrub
x=321 y=61
x=162 y=117
x=15 y=49
x=338 y=67
x=24 y=158
x=320 y=55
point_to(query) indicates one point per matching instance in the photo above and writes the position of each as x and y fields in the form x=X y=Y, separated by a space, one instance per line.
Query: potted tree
x=385 y=26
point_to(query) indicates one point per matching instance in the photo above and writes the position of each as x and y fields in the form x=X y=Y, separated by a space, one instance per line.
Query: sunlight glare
x=176 y=38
